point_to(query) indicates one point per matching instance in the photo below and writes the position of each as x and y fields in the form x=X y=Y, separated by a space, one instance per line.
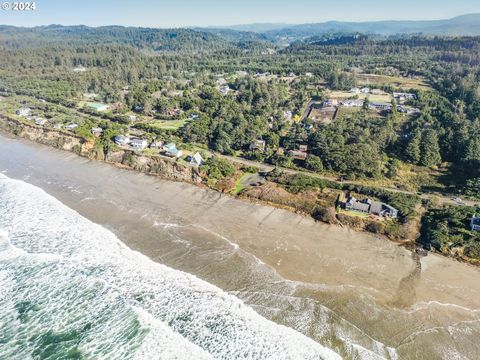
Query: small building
x=380 y=106
x=24 y=111
x=355 y=90
x=40 y=121
x=122 y=140
x=172 y=151
x=57 y=126
x=97 y=131
x=475 y=223
x=288 y=114
x=376 y=92
x=298 y=155
x=365 y=90
x=224 y=90
x=138 y=144
x=401 y=97
x=352 y=103
x=71 y=127
x=330 y=103
x=98 y=106
x=90 y=96
x=79 y=68
x=156 y=145
x=196 y=160
x=193 y=116
x=257 y=145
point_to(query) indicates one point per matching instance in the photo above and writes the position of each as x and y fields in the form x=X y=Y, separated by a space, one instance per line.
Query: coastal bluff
x=153 y=165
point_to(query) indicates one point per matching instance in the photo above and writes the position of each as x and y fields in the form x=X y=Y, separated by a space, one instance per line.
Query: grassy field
x=340 y=95
x=397 y=81
x=168 y=124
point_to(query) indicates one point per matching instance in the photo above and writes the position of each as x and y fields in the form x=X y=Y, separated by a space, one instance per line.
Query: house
x=97 y=131
x=257 y=145
x=352 y=103
x=380 y=106
x=475 y=223
x=330 y=102
x=288 y=114
x=40 y=121
x=98 y=106
x=79 y=68
x=193 y=116
x=138 y=144
x=156 y=145
x=172 y=151
x=371 y=207
x=365 y=90
x=196 y=160
x=400 y=96
x=355 y=90
x=224 y=89
x=221 y=81
x=24 y=111
x=407 y=110
x=122 y=140
x=132 y=118
x=57 y=126
x=138 y=108
x=71 y=126
x=300 y=154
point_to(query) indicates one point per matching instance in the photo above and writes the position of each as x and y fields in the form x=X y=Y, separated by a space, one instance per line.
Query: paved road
x=443 y=199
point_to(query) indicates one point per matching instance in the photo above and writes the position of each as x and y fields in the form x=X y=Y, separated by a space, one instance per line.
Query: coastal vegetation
x=238 y=96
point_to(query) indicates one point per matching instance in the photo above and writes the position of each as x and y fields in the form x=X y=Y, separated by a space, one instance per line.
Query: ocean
x=71 y=289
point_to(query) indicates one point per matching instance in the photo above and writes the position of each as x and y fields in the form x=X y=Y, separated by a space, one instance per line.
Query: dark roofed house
x=372 y=207
x=475 y=223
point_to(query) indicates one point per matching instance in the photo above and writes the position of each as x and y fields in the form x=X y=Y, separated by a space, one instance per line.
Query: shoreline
x=192 y=177
x=289 y=268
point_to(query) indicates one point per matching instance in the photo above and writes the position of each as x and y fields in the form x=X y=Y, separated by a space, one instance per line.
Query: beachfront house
x=122 y=140
x=475 y=223
x=156 y=144
x=257 y=145
x=24 y=111
x=371 y=207
x=196 y=160
x=40 y=121
x=138 y=144
x=71 y=127
x=98 y=106
x=172 y=151
x=97 y=131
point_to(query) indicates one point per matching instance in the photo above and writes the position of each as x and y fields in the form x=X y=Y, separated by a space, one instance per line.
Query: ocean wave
x=71 y=288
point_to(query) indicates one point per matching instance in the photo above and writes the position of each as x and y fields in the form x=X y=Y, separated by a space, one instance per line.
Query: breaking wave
x=70 y=289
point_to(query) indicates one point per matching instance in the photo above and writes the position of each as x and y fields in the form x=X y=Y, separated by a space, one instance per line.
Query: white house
x=196 y=160
x=40 y=121
x=365 y=90
x=79 y=68
x=71 y=126
x=355 y=90
x=97 y=131
x=24 y=111
x=475 y=223
x=352 y=103
x=122 y=140
x=138 y=144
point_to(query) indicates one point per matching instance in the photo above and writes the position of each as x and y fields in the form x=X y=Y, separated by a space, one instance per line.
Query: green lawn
x=168 y=124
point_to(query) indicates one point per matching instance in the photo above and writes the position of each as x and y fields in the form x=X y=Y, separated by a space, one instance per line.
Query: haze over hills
x=465 y=25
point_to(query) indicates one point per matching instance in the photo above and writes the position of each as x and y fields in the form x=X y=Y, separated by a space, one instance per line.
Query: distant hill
x=466 y=25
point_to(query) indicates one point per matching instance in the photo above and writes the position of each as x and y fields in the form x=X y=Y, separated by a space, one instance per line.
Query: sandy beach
x=351 y=291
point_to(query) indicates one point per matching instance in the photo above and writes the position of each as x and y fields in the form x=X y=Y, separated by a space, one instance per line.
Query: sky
x=181 y=13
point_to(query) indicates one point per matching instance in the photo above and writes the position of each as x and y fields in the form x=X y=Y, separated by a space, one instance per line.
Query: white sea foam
x=73 y=287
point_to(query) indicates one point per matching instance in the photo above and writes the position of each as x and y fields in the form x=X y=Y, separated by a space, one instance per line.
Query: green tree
x=429 y=149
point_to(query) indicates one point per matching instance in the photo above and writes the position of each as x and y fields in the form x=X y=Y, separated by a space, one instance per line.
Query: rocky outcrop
x=154 y=165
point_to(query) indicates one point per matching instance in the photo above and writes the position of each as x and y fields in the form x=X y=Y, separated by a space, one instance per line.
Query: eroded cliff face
x=153 y=165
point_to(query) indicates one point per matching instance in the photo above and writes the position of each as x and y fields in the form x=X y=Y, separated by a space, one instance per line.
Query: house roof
x=359 y=206
x=475 y=220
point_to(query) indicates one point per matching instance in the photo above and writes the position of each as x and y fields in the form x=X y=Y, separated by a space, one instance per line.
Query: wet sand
x=351 y=291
